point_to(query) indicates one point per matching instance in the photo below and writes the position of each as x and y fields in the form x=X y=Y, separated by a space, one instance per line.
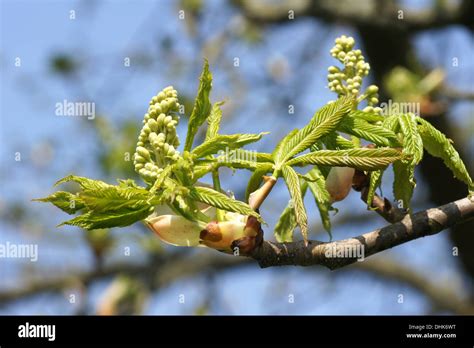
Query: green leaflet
x=375 y=181
x=404 y=181
x=65 y=201
x=92 y=220
x=225 y=142
x=221 y=201
x=286 y=225
x=277 y=153
x=236 y=163
x=378 y=135
x=214 y=120
x=333 y=141
x=324 y=121
x=360 y=158
x=391 y=122
x=439 y=146
x=257 y=177
x=367 y=116
x=202 y=106
x=317 y=186
x=85 y=183
x=293 y=182
x=403 y=184
x=115 y=198
x=104 y=205
x=412 y=143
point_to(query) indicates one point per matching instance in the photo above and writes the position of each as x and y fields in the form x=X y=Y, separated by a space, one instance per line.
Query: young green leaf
x=277 y=153
x=391 y=122
x=333 y=141
x=221 y=201
x=214 y=120
x=360 y=158
x=66 y=201
x=412 y=143
x=225 y=142
x=366 y=116
x=439 y=146
x=85 y=183
x=378 y=135
x=375 y=181
x=286 y=225
x=317 y=186
x=403 y=183
x=202 y=106
x=92 y=220
x=116 y=198
x=324 y=121
x=293 y=182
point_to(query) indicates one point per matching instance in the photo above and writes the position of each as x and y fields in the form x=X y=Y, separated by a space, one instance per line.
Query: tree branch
x=344 y=252
x=371 y=14
x=442 y=295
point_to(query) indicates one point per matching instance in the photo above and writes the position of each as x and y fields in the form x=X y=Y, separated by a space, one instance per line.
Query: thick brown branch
x=344 y=252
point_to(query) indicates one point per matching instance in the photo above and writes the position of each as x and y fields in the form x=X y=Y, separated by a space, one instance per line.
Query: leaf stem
x=217 y=186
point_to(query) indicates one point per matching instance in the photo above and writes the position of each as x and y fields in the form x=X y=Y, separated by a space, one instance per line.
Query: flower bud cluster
x=158 y=140
x=348 y=80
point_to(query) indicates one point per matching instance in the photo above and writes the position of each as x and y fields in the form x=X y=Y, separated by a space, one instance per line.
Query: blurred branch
x=163 y=270
x=367 y=13
x=412 y=227
x=455 y=94
x=443 y=297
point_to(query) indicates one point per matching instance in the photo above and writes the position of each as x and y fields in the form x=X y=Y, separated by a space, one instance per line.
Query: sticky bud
x=339 y=182
x=175 y=230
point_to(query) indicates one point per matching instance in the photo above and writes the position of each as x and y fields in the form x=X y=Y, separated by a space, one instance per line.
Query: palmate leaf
x=439 y=146
x=293 y=182
x=221 y=201
x=214 y=120
x=202 y=106
x=225 y=142
x=92 y=220
x=378 y=135
x=360 y=158
x=324 y=121
x=66 y=201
